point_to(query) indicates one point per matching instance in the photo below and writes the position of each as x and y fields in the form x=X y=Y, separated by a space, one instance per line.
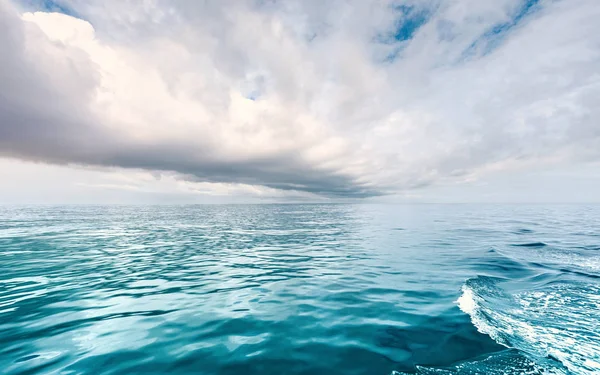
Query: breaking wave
x=557 y=325
x=553 y=329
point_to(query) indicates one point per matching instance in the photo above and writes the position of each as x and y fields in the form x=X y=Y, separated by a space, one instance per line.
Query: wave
x=523 y=231
x=584 y=259
x=551 y=329
x=557 y=325
x=508 y=362
x=530 y=244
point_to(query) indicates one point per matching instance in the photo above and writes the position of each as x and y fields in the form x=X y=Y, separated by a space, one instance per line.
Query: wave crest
x=559 y=321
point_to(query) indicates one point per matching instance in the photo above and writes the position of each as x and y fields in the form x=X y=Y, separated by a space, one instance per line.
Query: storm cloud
x=342 y=98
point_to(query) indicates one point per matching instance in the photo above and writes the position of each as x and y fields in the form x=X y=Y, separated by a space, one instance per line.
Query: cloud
x=342 y=98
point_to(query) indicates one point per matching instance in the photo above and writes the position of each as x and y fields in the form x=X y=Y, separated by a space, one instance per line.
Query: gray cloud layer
x=325 y=98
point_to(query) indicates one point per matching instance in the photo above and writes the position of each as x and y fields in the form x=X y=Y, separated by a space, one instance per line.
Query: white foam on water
x=561 y=321
x=504 y=363
x=466 y=302
x=470 y=303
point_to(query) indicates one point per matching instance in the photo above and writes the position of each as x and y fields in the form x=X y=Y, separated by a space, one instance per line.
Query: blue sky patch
x=56 y=6
x=412 y=20
x=493 y=38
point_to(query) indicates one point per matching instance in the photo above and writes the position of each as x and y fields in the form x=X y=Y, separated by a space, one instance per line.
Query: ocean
x=300 y=289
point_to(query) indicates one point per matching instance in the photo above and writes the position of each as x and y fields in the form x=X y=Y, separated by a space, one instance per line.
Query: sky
x=185 y=101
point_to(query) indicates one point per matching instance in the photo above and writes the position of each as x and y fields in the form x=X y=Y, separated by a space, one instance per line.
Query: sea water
x=300 y=289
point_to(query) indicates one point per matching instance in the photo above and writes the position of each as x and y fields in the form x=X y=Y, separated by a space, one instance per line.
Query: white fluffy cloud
x=341 y=98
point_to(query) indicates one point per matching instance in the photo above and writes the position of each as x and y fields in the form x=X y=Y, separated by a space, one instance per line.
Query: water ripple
x=298 y=289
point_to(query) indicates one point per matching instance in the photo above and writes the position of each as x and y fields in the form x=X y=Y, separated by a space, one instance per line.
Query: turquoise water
x=300 y=289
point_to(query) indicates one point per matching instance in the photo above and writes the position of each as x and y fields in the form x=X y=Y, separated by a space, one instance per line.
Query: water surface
x=300 y=289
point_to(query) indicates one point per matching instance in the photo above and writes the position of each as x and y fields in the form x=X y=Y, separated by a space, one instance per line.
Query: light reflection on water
x=270 y=289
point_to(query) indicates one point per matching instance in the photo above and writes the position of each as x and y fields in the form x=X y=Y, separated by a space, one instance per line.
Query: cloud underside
x=352 y=99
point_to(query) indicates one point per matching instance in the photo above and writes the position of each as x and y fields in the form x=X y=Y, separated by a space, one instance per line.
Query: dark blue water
x=300 y=289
